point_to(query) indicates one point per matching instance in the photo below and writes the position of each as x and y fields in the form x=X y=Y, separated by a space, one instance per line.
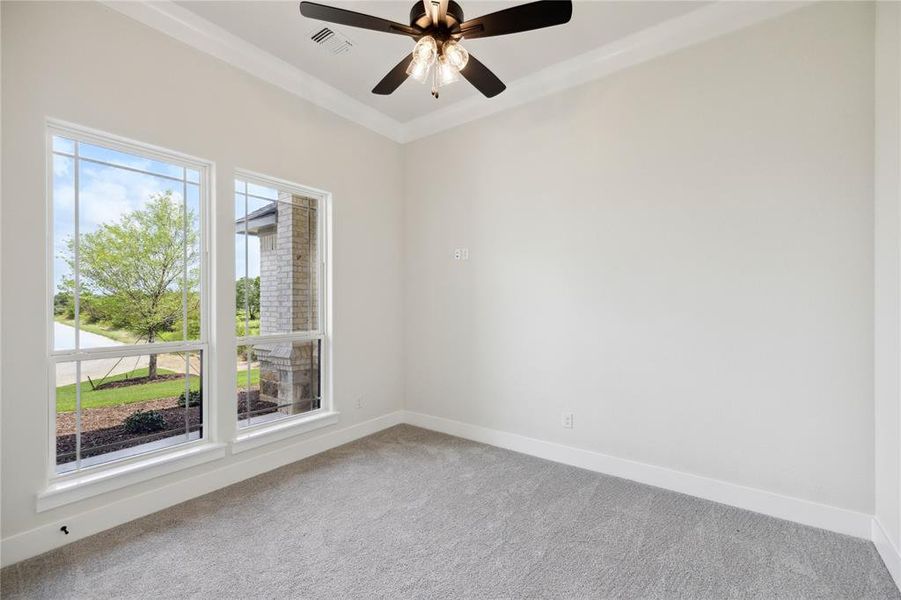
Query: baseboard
x=887 y=550
x=47 y=537
x=836 y=519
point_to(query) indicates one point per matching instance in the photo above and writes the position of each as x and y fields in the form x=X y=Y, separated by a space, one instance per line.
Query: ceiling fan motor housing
x=437 y=39
x=419 y=18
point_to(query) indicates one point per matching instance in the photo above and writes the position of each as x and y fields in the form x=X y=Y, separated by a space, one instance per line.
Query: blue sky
x=253 y=242
x=106 y=193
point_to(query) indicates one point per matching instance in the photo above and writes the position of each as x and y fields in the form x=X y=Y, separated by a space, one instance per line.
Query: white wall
x=88 y=64
x=888 y=270
x=680 y=254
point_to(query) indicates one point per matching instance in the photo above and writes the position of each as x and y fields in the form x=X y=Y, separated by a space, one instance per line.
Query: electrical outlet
x=465 y=253
x=458 y=254
x=566 y=419
x=359 y=402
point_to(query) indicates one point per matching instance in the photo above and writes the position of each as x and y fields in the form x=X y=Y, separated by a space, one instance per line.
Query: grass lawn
x=127 y=337
x=254 y=377
x=65 y=395
x=253 y=326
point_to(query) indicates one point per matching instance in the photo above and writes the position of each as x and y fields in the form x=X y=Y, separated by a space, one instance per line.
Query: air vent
x=331 y=41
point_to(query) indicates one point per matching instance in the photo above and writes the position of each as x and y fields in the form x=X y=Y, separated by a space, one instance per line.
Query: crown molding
x=690 y=29
x=193 y=30
x=698 y=26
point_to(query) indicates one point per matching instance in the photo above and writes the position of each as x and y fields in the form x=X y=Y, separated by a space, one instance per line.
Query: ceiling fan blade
x=350 y=18
x=525 y=17
x=482 y=78
x=394 y=78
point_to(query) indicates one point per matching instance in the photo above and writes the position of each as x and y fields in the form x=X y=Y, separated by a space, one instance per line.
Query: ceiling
x=279 y=29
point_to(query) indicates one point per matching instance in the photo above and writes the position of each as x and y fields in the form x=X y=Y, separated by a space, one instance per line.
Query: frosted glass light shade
x=426 y=50
x=419 y=70
x=446 y=72
x=456 y=54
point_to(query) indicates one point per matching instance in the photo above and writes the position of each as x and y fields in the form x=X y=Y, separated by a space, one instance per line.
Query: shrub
x=194 y=398
x=144 y=421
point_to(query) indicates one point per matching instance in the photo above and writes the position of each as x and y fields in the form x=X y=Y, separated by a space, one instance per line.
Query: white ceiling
x=279 y=29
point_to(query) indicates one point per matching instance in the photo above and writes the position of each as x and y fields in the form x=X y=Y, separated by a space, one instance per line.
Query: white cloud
x=106 y=195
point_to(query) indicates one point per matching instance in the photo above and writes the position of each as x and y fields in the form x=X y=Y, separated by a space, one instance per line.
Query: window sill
x=261 y=435
x=79 y=487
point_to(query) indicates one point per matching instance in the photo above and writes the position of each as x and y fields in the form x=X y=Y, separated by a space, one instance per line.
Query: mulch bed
x=136 y=381
x=102 y=429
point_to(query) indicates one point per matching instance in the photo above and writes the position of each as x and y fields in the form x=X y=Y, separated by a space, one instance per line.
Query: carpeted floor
x=408 y=513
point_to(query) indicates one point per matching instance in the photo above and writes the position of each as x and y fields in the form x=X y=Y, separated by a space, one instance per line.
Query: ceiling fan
x=438 y=27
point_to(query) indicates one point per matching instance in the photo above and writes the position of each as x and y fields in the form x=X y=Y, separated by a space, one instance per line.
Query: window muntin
x=98 y=206
x=127 y=298
x=279 y=300
x=121 y=422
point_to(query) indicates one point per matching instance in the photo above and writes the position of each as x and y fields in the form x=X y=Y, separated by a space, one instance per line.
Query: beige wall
x=680 y=254
x=88 y=64
x=888 y=269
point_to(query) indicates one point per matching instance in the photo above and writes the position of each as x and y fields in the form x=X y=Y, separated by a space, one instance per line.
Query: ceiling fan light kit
x=448 y=59
x=438 y=27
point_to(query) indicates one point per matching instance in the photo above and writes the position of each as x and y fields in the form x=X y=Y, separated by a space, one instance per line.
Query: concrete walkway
x=64 y=337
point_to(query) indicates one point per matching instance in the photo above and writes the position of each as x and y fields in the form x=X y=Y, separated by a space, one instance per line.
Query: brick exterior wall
x=289 y=301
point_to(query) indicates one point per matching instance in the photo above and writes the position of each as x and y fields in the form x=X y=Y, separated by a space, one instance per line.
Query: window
x=128 y=342
x=279 y=298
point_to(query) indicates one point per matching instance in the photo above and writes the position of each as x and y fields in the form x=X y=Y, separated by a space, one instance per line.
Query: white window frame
x=256 y=434
x=62 y=484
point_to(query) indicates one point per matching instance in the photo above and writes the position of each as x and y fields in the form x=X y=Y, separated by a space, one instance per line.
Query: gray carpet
x=408 y=513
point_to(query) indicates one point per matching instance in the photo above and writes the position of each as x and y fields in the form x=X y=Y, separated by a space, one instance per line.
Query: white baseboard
x=836 y=519
x=47 y=537
x=887 y=550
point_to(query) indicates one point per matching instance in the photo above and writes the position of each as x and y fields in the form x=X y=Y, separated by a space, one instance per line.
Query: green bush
x=194 y=398
x=64 y=304
x=144 y=421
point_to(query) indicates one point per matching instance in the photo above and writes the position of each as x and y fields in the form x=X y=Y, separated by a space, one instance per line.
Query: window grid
x=192 y=173
x=316 y=267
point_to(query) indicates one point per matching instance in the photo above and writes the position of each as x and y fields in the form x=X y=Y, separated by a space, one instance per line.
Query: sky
x=245 y=196
x=106 y=192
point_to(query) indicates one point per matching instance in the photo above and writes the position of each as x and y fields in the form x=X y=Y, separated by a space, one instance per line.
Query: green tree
x=63 y=303
x=135 y=268
x=251 y=287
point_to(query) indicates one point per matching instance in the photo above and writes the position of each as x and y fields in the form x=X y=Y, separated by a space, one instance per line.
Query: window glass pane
x=251 y=410
x=262 y=191
x=260 y=217
x=133 y=238
x=285 y=380
x=61 y=144
x=277 y=265
x=193 y=175
x=63 y=236
x=241 y=312
x=193 y=255
x=128 y=406
x=108 y=155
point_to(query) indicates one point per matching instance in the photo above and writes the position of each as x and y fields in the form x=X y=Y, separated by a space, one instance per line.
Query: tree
x=137 y=267
x=251 y=287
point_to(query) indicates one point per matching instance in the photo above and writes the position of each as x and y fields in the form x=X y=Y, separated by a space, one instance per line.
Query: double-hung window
x=280 y=299
x=128 y=345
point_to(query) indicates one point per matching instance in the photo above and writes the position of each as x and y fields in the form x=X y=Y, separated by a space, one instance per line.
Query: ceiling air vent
x=331 y=41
